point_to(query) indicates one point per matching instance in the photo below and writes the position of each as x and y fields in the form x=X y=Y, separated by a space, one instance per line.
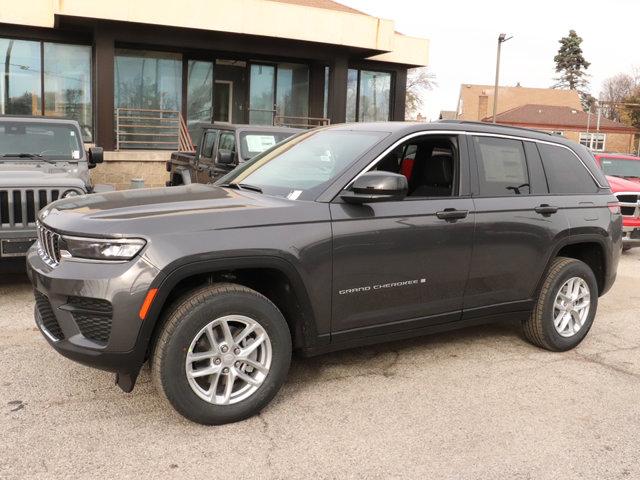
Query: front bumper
x=88 y=311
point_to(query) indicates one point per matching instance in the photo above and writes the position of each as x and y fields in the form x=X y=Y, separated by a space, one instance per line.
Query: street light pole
x=501 y=39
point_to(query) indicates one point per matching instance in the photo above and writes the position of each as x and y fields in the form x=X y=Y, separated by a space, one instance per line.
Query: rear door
x=516 y=223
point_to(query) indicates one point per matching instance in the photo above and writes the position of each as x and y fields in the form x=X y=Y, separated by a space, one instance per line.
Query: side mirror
x=225 y=157
x=96 y=156
x=377 y=187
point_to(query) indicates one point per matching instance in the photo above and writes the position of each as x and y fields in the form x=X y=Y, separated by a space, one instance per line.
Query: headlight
x=100 y=249
x=70 y=193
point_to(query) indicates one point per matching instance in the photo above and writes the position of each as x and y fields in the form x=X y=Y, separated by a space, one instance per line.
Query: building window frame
x=594 y=141
x=42 y=40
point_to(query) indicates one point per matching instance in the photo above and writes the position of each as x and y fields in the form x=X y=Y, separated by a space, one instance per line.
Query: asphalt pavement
x=479 y=403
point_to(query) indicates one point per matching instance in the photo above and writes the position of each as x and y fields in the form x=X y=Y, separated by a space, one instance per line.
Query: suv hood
x=159 y=211
x=619 y=184
x=41 y=174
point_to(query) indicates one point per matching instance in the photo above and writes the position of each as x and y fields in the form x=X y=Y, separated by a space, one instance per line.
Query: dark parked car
x=221 y=147
x=41 y=159
x=341 y=236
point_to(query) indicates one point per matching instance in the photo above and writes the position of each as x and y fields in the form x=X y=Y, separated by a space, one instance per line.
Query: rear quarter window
x=565 y=172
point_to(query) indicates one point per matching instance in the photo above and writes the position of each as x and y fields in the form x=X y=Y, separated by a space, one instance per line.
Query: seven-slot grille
x=19 y=207
x=629 y=206
x=48 y=245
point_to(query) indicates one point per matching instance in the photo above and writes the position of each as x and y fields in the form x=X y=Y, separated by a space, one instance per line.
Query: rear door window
x=565 y=172
x=502 y=167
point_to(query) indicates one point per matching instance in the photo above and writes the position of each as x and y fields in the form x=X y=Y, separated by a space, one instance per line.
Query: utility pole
x=501 y=39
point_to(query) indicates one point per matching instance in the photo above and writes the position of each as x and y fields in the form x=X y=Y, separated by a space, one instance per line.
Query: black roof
x=247 y=127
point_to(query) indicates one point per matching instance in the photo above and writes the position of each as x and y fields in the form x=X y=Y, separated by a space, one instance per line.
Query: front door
x=206 y=158
x=223 y=107
x=402 y=264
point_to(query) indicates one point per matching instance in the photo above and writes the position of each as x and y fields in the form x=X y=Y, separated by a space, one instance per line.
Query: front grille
x=19 y=207
x=48 y=245
x=92 y=316
x=629 y=204
x=48 y=318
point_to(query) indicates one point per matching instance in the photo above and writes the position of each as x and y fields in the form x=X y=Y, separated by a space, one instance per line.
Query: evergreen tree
x=572 y=66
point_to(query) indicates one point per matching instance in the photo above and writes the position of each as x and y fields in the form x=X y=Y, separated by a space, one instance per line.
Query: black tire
x=539 y=328
x=192 y=313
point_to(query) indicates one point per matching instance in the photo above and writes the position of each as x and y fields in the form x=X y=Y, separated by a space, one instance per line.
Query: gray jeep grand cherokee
x=42 y=159
x=341 y=236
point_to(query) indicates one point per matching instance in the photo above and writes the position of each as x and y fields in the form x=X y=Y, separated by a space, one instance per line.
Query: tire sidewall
x=574 y=269
x=172 y=365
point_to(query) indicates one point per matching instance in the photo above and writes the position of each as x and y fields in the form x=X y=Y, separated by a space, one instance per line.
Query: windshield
x=618 y=167
x=300 y=168
x=253 y=143
x=34 y=140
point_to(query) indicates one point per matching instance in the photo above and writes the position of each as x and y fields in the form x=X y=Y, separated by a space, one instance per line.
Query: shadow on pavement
x=12 y=271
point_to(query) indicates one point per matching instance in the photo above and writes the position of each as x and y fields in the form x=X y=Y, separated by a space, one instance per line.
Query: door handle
x=546 y=209
x=451 y=214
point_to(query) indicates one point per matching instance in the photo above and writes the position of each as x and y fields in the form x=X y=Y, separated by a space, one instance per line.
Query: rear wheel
x=222 y=355
x=565 y=308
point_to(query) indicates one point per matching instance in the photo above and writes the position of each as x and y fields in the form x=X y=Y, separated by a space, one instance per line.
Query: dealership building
x=140 y=74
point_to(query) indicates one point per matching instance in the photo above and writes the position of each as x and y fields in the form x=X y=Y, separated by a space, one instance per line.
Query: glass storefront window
x=261 y=94
x=21 y=78
x=352 y=95
x=292 y=96
x=368 y=96
x=67 y=84
x=148 y=80
x=199 y=93
x=375 y=91
x=325 y=107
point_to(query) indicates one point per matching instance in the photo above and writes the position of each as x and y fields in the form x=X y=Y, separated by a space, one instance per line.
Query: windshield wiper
x=242 y=186
x=27 y=155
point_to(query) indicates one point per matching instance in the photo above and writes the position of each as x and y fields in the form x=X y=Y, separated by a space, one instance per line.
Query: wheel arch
x=274 y=277
x=590 y=249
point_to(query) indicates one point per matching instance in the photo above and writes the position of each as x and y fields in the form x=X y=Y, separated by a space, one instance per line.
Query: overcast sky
x=463 y=37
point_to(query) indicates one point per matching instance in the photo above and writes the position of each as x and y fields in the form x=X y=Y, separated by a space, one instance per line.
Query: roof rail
x=488 y=124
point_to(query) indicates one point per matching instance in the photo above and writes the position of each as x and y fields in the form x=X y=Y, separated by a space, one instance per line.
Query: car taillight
x=614 y=207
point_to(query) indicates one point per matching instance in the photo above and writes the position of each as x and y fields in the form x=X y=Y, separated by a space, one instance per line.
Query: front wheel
x=222 y=355
x=565 y=308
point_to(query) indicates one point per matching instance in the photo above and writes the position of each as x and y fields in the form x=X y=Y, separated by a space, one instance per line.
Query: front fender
x=180 y=270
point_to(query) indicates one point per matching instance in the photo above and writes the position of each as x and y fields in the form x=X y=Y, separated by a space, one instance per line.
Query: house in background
x=573 y=123
x=139 y=74
x=476 y=101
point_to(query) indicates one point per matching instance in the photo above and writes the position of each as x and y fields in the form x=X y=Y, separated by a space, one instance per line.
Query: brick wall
x=120 y=167
x=614 y=142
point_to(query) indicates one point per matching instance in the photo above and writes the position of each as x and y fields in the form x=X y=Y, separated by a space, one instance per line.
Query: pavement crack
x=272 y=443
x=599 y=361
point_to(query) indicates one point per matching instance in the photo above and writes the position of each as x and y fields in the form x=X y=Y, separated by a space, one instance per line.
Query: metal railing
x=300 y=122
x=290 y=120
x=151 y=129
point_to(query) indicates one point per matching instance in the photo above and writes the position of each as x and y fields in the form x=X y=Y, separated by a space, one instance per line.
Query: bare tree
x=419 y=81
x=618 y=89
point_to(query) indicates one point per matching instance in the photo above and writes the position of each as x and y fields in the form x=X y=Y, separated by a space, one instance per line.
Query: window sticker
x=72 y=133
x=294 y=194
x=259 y=143
x=75 y=154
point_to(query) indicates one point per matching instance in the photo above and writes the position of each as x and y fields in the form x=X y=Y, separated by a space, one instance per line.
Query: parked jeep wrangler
x=221 y=147
x=341 y=236
x=41 y=159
